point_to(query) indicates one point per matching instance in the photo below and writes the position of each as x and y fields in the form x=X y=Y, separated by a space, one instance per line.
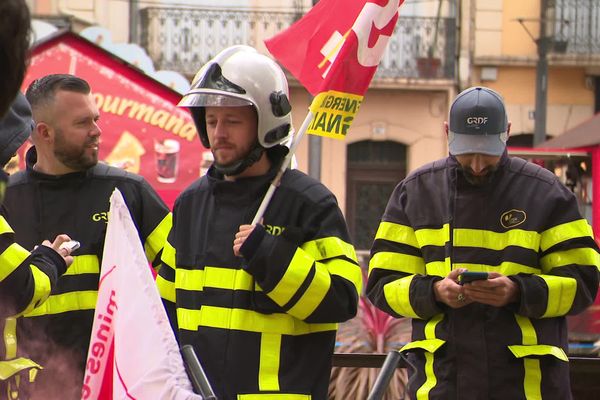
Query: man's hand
x=240 y=238
x=449 y=292
x=498 y=290
x=64 y=253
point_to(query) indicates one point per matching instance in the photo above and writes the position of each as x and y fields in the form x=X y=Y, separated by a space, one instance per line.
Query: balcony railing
x=577 y=25
x=183 y=39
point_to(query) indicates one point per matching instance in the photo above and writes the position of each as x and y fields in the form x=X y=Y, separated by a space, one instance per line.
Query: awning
x=583 y=135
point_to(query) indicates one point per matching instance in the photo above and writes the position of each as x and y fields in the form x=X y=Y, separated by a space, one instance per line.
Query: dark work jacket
x=523 y=224
x=265 y=324
x=41 y=206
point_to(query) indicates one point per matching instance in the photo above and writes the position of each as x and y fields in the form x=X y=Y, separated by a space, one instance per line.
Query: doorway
x=374 y=170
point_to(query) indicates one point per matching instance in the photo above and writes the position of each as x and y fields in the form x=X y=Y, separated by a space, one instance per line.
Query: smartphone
x=468 y=276
x=70 y=245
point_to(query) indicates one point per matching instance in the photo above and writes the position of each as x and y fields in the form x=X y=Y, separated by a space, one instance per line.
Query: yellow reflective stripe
x=270 y=354
x=533 y=378
x=41 y=288
x=433 y=237
x=430 y=380
x=292 y=279
x=527 y=330
x=314 y=294
x=11 y=258
x=397 y=233
x=430 y=345
x=85 y=264
x=562 y=232
x=438 y=268
x=561 y=294
x=496 y=240
x=397 y=262
x=274 y=396
x=346 y=270
x=4 y=226
x=168 y=255
x=538 y=350
x=533 y=373
x=329 y=247
x=246 y=320
x=166 y=288
x=189 y=279
x=12 y=367
x=506 y=268
x=227 y=278
x=431 y=325
x=60 y=303
x=158 y=237
x=10 y=338
x=397 y=296
x=580 y=256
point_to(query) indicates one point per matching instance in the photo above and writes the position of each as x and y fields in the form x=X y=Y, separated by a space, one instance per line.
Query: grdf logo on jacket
x=512 y=218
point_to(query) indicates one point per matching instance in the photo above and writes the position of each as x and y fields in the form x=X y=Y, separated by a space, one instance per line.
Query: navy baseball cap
x=477 y=123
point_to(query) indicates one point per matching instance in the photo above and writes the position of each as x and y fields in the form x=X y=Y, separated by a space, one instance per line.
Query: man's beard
x=478 y=180
x=74 y=157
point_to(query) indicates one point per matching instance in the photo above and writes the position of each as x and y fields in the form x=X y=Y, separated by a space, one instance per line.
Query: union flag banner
x=133 y=353
x=334 y=51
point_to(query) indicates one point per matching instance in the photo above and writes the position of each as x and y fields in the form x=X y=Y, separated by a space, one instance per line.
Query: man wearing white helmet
x=260 y=304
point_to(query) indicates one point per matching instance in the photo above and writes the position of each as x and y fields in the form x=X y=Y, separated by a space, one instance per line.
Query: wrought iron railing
x=182 y=39
x=577 y=26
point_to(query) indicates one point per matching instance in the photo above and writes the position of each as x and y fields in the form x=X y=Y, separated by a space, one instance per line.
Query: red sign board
x=143 y=131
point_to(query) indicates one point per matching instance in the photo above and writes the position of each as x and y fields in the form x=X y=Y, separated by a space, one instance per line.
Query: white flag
x=133 y=353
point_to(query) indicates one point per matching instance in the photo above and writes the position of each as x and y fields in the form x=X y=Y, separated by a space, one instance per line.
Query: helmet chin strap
x=238 y=167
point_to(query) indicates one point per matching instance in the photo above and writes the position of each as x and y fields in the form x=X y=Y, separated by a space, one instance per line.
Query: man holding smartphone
x=479 y=210
x=65 y=189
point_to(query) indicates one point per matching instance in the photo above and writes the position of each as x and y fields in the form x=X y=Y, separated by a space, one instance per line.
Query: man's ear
x=508 y=128
x=446 y=127
x=42 y=131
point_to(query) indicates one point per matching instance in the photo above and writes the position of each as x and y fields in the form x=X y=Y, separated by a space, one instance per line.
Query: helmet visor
x=212 y=100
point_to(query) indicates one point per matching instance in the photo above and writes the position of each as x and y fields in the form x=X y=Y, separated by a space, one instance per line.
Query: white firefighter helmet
x=240 y=76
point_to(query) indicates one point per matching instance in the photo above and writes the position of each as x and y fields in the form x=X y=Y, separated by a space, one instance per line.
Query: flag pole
x=284 y=165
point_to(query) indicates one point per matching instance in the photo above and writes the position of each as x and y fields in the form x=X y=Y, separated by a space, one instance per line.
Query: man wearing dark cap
x=515 y=226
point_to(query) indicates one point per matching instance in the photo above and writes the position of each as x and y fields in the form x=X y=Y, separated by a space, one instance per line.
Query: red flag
x=334 y=51
x=133 y=353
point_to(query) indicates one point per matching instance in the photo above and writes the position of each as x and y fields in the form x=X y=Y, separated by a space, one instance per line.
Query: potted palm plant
x=372 y=331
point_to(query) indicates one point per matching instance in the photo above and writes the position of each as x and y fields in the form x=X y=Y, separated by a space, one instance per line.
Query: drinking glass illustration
x=167 y=160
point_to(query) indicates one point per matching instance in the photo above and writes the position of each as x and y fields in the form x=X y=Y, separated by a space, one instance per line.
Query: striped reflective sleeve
x=4 y=226
x=561 y=295
x=165 y=288
x=397 y=262
x=389 y=256
x=165 y=280
x=11 y=258
x=338 y=256
x=584 y=256
x=158 y=237
x=569 y=230
x=41 y=288
x=307 y=279
x=397 y=233
x=396 y=295
x=293 y=281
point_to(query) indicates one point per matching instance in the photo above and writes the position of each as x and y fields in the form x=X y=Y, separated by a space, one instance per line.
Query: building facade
x=439 y=47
